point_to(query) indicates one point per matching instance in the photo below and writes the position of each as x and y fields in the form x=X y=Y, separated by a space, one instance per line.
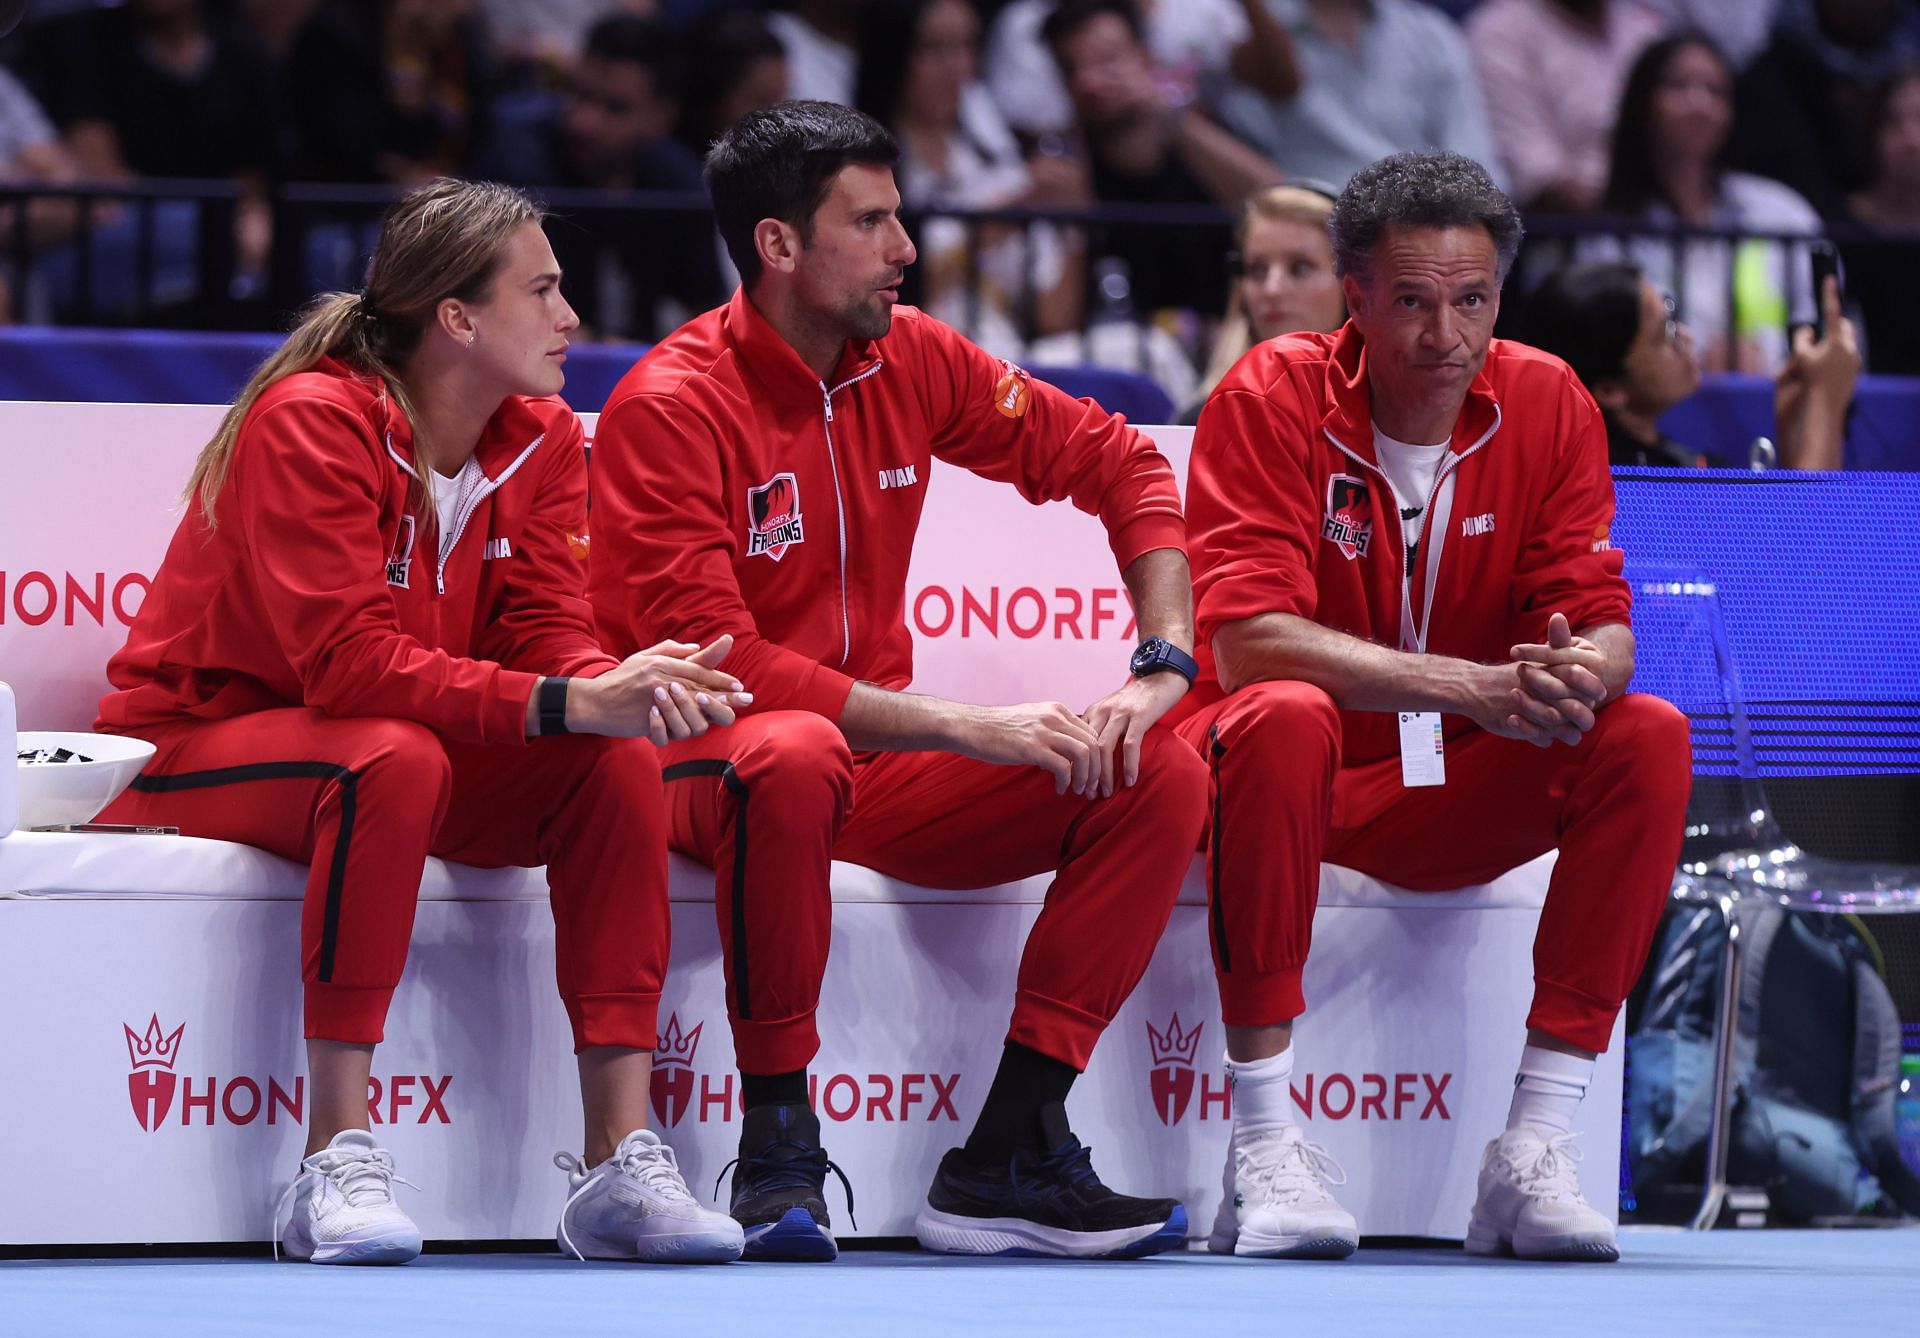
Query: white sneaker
x=340 y=1209
x=1530 y=1202
x=1277 y=1203
x=634 y=1205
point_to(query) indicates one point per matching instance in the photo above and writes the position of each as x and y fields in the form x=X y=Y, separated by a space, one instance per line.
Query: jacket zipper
x=473 y=504
x=840 y=509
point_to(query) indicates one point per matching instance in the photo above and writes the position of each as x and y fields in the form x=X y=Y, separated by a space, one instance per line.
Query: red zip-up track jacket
x=1288 y=512
x=737 y=492
x=324 y=586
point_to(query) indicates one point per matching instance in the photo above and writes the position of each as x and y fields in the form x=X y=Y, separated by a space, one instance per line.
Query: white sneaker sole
x=1576 y=1247
x=720 y=1244
x=1307 y=1245
x=383 y=1247
x=946 y=1233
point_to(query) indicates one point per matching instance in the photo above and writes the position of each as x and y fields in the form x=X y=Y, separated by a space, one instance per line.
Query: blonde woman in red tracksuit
x=761 y=473
x=1416 y=644
x=368 y=620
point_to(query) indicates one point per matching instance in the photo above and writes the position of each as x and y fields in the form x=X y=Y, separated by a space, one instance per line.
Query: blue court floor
x=1864 y=1283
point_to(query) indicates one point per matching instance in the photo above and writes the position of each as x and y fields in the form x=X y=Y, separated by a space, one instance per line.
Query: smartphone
x=1826 y=265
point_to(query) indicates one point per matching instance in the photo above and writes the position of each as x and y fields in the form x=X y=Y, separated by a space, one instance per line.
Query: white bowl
x=69 y=792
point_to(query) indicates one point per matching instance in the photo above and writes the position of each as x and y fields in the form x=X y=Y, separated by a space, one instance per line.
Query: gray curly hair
x=1439 y=189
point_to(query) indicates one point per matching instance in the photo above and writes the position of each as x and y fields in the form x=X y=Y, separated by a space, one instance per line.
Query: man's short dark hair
x=1070 y=16
x=628 y=39
x=1419 y=190
x=780 y=162
x=1588 y=314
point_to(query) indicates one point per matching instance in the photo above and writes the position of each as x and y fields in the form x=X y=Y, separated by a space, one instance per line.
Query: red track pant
x=365 y=801
x=770 y=801
x=1614 y=805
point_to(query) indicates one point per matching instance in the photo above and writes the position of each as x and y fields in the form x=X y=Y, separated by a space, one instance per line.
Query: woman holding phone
x=368 y=643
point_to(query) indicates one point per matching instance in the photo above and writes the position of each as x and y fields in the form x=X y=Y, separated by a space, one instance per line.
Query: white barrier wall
x=165 y=1044
x=1405 y=1060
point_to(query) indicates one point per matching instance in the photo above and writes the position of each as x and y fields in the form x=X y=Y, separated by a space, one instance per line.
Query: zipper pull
x=826 y=398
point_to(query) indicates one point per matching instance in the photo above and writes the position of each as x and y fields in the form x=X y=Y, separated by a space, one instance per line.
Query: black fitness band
x=553 y=705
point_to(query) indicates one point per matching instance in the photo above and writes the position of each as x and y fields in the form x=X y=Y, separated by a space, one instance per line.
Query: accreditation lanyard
x=1423 y=753
x=1439 y=517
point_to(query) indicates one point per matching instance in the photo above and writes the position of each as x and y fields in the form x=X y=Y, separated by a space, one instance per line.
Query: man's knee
x=801 y=761
x=1284 y=715
x=1656 y=737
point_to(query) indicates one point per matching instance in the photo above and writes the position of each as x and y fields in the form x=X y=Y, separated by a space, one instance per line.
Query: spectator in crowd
x=1285 y=280
x=735 y=64
x=389 y=90
x=1619 y=334
x=1883 y=272
x=1740 y=27
x=1670 y=167
x=550 y=35
x=31 y=153
x=1143 y=150
x=1804 y=103
x=611 y=129
x=1553 y=71
x=919 y=76
x=821 y=38
x=161 y=88
x=1194 y=42
x=1376 y=76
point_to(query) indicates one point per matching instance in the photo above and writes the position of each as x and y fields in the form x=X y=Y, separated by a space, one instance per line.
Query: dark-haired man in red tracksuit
x=762 y=473
x=1415 y=648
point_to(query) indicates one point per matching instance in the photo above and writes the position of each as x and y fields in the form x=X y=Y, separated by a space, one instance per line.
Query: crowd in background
x=1775 y=118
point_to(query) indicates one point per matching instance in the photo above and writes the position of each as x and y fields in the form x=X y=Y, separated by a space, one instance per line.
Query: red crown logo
x=154 y=1049
x=1174 y=1046
x=677 y=1047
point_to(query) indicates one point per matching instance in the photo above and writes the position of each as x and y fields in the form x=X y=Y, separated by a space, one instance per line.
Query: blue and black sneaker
x=779 y=1186
x=1049 y=1203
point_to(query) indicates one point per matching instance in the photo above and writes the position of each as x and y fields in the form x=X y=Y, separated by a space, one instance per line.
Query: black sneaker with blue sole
x=779 y=1186
x=1043 y=1203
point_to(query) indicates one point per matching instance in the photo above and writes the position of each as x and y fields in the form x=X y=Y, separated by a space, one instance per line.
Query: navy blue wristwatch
x=1158 y=655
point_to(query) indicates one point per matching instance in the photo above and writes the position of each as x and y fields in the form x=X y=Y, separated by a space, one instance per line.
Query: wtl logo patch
x=1013 y=392
x=1349 y=522
x=773 y=517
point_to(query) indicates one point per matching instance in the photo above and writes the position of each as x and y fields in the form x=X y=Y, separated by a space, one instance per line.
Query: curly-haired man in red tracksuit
x=1415 y=643
x=761 y=473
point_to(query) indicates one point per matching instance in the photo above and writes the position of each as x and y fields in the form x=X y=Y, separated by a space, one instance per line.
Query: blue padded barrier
x=1815 y=575
x=182 y=367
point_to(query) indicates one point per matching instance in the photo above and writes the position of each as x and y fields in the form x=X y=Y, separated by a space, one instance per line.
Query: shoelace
x=652 y=1164
x=1555 y=1173
x=362 y=1175
x=1300 y=1170
x=795 y=1172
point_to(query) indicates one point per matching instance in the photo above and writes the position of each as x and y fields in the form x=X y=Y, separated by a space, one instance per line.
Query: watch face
x=1144 y=658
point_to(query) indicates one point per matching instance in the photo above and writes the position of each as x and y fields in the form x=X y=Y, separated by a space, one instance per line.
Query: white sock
x=1547 y=1092
x=1261 y=1103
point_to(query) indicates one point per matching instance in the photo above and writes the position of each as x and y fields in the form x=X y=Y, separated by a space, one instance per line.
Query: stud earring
x=471 y=336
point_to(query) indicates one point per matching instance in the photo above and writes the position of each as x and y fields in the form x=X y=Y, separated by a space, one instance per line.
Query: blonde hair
x=1279 y=204
x=444 y=239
